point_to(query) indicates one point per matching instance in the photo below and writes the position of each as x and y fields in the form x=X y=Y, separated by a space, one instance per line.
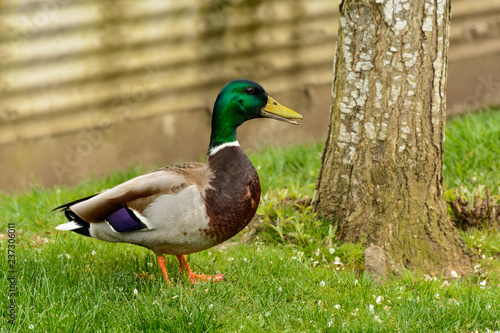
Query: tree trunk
x=381 y=176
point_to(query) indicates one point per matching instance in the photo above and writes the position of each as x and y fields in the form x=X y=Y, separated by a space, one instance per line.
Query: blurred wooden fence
x=88 y=86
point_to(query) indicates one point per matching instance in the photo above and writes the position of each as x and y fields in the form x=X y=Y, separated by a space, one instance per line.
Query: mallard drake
x=186 y=208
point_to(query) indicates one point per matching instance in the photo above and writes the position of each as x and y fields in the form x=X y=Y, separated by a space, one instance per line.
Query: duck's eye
x=249 y=90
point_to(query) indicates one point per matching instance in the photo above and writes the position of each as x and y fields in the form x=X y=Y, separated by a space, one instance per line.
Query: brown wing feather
x=195 y=172
x=139 y=192
x=66 y=205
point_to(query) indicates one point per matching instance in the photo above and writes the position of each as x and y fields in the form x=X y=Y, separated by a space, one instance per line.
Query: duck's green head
x=241 y=100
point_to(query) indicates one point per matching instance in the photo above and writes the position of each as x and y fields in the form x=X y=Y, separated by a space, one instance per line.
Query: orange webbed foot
x=196 y=278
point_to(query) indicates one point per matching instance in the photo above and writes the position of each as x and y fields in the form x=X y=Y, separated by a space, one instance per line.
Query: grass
x=93 y=286
x=472 y=152
x=294 y=276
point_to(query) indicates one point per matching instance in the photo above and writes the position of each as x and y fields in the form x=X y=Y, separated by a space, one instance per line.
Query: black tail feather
x=85 y=226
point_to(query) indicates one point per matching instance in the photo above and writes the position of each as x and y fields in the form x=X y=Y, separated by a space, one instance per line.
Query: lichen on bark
x=381 y=175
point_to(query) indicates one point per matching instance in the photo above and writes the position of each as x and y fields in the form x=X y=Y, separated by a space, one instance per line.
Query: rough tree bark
x=381 y=176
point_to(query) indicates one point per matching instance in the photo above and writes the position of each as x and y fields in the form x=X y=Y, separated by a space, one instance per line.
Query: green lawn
x=472 y=152
x=292 y=276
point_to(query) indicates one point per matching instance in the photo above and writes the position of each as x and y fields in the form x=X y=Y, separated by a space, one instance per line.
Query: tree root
x=482 y=214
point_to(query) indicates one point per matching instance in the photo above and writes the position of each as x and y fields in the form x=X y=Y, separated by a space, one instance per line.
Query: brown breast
x=233 y=196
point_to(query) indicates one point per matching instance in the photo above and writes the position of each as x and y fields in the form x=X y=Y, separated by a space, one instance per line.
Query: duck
x=189 y=207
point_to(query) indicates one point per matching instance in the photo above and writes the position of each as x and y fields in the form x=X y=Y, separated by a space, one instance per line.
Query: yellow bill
x=277 y=111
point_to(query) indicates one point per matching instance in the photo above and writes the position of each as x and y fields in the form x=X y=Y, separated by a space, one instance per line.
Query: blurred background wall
x=90 y=86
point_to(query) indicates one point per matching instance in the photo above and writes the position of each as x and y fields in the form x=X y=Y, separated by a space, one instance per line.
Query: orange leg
x=195 y=278
x=161 y=262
